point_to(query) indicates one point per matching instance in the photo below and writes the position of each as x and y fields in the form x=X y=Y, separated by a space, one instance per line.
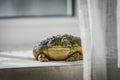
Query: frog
x=59 y=48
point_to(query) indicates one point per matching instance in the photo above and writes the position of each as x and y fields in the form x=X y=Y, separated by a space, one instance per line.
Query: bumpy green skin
x=66 y=41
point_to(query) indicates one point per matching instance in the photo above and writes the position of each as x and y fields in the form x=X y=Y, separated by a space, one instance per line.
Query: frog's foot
x=74 y=57
x=42 y=58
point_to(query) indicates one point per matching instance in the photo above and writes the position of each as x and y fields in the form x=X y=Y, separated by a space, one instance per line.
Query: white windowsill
x=22 y=59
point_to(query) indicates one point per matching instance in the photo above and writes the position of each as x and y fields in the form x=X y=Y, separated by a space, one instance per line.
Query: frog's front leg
x=43 y=58
x=74 y=57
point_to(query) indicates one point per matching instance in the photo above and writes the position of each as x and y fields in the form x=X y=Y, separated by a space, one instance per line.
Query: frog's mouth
x=58 y=53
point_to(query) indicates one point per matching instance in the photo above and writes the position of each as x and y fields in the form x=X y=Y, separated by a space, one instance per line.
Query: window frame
x=118 y=33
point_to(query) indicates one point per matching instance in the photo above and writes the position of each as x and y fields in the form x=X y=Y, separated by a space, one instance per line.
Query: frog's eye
x=39 y=56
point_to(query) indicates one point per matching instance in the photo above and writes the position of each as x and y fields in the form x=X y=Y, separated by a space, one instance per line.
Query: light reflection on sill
x=22 y=59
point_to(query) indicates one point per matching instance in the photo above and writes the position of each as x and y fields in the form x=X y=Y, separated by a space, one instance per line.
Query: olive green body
x=60 y=48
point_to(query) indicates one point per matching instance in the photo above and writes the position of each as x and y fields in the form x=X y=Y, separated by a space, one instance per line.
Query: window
x=19 y=35
x=35 y=8
x=15 y=26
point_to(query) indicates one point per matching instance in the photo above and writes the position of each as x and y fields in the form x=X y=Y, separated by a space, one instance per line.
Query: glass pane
x=17 y=8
